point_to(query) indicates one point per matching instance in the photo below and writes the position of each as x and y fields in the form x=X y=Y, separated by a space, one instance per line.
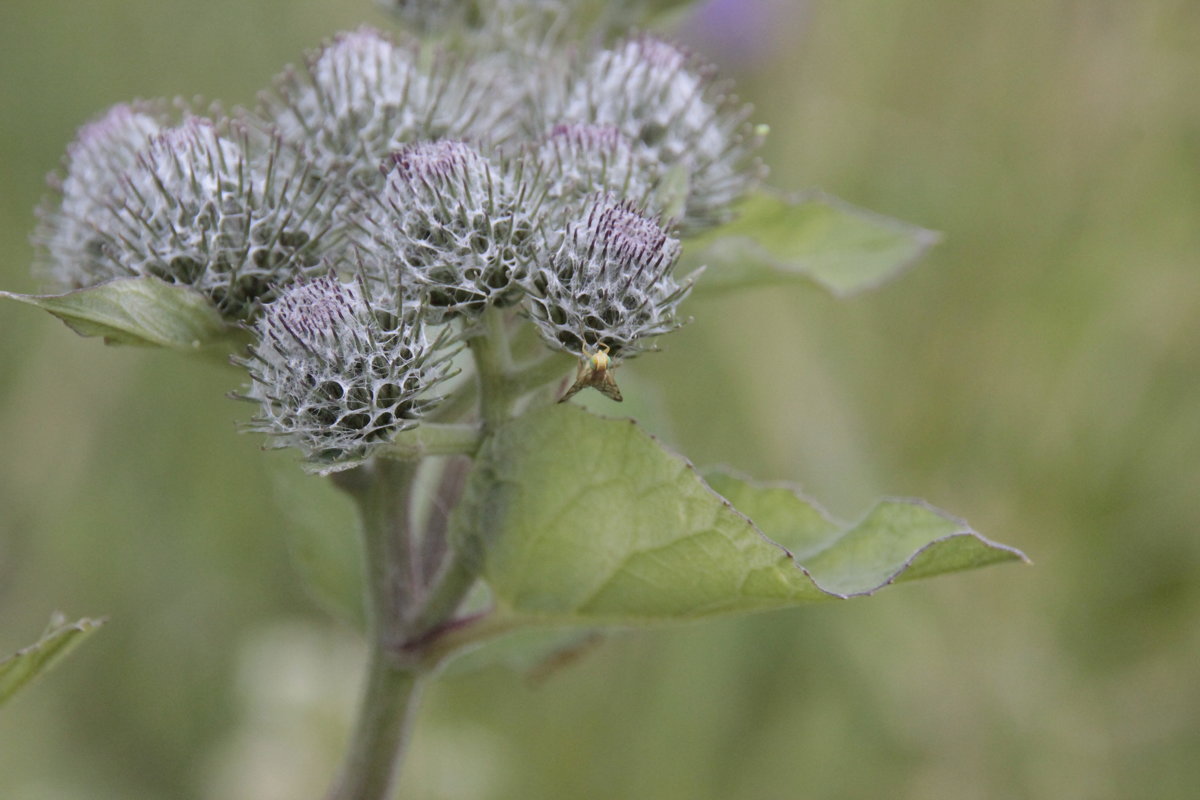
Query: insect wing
x=599 y=379
x=607 y=385
x=574 y=390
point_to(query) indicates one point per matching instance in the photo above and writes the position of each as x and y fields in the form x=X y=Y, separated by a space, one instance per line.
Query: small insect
x=595 y=370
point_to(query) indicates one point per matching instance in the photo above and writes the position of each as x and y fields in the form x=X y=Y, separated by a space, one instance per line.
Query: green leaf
x=898 y=539
x=320 y=527
x=575 y=519
x=138 y=311
x=22 y=667
x=777 y=239
x=534 y=652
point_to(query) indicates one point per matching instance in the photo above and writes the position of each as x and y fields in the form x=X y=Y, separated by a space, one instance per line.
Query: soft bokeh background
x=1039 y=375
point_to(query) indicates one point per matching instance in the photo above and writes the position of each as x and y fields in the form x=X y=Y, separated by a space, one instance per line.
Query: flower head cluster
x=457 y=227
x=338 y=374
x=517 y=171
x=609 y=283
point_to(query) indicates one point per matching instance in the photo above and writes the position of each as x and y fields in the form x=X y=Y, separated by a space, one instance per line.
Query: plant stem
x=492 y=363
x=382 y=492
x=435 y=544
x=468 y=634
x=454 y=582
x=434 y=439
x=410 y=609
x=389 y=547
x=389 y=705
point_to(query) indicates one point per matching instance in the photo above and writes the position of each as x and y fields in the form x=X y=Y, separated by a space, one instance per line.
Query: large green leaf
x=778 y=239
x=581 y=520
x=22 y=667
x=319 y=526
x=139 y=311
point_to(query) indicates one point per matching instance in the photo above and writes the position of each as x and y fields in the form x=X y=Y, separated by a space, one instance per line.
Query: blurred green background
x=1038 y=375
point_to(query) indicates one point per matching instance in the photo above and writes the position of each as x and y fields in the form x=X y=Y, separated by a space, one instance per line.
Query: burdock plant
x=414 y=248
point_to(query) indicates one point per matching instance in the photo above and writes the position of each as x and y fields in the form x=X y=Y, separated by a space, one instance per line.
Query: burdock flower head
x=363 y=95
x=609 y=285
x=338 y=373
x=200 y=207
x=458 y=228
x=72 y=250
x=578 y=159
x=673 y=111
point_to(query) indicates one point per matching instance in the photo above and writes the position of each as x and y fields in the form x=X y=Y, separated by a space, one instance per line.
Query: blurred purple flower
x=740 y=32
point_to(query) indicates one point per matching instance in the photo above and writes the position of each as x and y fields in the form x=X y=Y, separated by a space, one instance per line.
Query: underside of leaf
x=780 y=239
x=137 y=311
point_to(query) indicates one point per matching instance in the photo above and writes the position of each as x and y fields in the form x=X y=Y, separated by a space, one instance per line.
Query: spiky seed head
x=579 y=159
x=668 y=104
x=337 y=374
x=199 y=208
x=459 y=229
x=70 y=250
x=364 y=95
x=609 y=284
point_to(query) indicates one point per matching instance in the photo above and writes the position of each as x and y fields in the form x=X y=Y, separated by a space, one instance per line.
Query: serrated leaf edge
x=630 y=620
x=846 y=528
